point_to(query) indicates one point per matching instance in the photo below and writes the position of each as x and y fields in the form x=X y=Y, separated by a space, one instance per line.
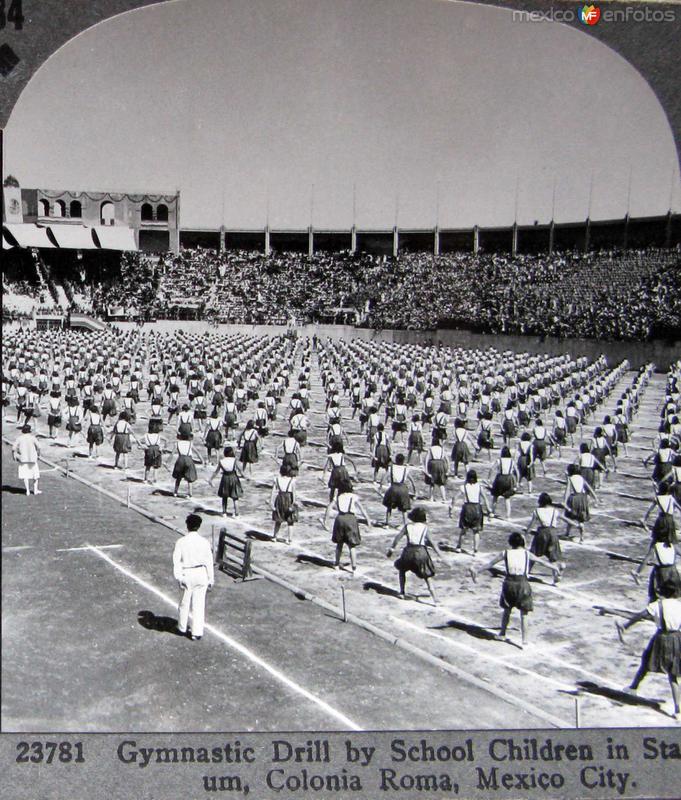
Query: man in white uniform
x=26 y=451
x=193 y=569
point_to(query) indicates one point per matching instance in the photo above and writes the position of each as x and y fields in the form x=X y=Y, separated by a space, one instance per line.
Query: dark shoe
x=195 y=638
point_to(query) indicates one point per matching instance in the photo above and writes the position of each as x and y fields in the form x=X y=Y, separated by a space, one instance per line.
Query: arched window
x=147 y=212
x=44 y=208
x=162 y=213
x=59 y=208
x=76 y=209
x=107 y=213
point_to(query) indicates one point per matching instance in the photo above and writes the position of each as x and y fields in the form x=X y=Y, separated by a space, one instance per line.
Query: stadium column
x=476 y=239
x=268 y=249
x=587 y=235
x=514 y=240
x=625 y=232
x=396 y=242
x=222 y=239
x=668 y=232
x=552 y=228
x=353 y=239
x=436 y=241
x=310 y=241
x=175 y=237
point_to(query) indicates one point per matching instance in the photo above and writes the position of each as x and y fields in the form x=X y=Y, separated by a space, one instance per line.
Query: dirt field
x=87 y=633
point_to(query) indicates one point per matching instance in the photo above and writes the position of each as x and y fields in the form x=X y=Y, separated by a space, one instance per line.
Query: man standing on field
x=193 y=570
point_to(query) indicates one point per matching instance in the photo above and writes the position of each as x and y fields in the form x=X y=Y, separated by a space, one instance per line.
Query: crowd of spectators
x=607 y=295
x=634 y=294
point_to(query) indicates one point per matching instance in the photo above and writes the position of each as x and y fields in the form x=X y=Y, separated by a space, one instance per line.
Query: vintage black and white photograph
x=341 y=366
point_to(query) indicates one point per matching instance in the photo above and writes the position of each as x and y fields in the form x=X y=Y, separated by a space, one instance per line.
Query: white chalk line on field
x=235 y=645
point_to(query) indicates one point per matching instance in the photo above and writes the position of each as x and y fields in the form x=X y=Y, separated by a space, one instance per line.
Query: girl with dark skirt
x=415 y=557
x=576 y=501
x=461 y=452
x=88 y=396
x=95 y=431
x=439 y=431
x=665 y=505
x=249 y=444
x=71 y=391
x=349 y=511
x=230 y=482
x=509 y=424
x=559 y=432
x=283 y=502
x=397 y=496
x=590 y=467
x=428 y=408
x=415 y=438
x=6 y=388
x=152 y=443
x=121 y=434
x=572 y=420
x=184 y=422
x=399 y=424
x=213 y=440
x=545 y=520
x=74 y=422
x=516 y=591
x=436 y=470
x=661 y=554
x=473 y=509
x=109 y=408
x=184 y=468
x=200 y=412
x=54 y=418
x=173 y=402
x=601 y=449
x=610 y=433
x=336 y=462
x=298 y=425
x=485 y=439
x=217 y=399
x=621 y=422
x=260 y=419
x=525 y=461
x=335 y=438
x=333 y=414
x=271 y=405
x=540 y=444
x=289 y=452
x=505 y=480
x=155 y=417
x=373 y=421
x=662 y=460
x=462 y=412
x=129 y=408
x=663 y=653
x=523 y=413
x=381 y=456
x=674 y=479
x=231 y=418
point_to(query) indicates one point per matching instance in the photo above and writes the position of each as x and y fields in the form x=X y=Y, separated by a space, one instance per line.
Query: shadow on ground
x=154 y=622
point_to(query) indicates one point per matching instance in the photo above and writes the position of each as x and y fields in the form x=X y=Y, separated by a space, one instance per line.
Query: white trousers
x=194 y=596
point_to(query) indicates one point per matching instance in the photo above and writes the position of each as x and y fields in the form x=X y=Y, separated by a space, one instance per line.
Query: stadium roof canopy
x=114 y=237
x=26 y=235
x=75 y=237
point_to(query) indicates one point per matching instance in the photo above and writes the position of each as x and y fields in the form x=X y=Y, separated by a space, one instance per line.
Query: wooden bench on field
x=233 y=555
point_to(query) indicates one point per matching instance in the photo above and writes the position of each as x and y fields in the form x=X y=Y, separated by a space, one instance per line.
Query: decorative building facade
x=154 y=218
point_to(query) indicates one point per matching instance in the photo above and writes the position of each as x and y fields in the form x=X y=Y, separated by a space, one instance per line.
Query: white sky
x=243 y=100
